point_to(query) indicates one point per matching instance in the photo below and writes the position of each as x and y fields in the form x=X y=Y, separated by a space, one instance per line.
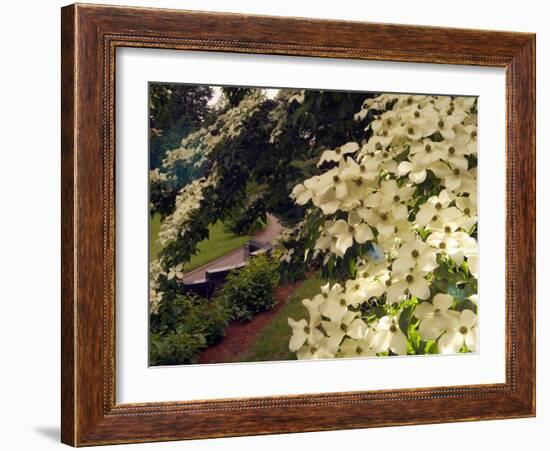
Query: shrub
x=173 y=348
x=183 y=326
x=251 y=290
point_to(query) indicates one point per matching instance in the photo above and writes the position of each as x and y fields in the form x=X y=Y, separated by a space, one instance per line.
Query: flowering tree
x=393 y=221
x=378 y=194
x=249 y=158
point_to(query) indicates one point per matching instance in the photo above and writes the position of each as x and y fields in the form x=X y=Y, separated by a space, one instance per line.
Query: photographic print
x=296 y=224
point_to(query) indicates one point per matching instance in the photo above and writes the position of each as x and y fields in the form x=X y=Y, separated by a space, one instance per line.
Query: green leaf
x=405 y=319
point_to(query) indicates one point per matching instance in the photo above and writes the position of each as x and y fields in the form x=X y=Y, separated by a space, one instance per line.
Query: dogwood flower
x=357 y=348
x=338 y=153
x=175 y=272
x=362 y=289
x=453 y=176
x=464 y=333
x=454 y=155
x=467 y=205
x=391 y=197
x=303 y=332
x=347 y=231
x=466 y=136
x=415 y=168
x=327 y=201
x=368 y=170
x=436 y=318
x=315 y=351
x=446 y=124
x=426 y=152
x=349 y=325
x=412 y=282
x=301 y=194
x=415 y=254
x=320 y=184
x=375 y=144
x=453 y=244
x=387 y=336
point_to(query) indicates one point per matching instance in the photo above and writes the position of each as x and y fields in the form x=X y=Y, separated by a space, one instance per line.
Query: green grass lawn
x=272 y=344
x=154 y=244
x=219 y=243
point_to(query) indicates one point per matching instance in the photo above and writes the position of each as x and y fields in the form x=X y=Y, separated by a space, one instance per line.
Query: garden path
x=240 y=337
x=266 y=235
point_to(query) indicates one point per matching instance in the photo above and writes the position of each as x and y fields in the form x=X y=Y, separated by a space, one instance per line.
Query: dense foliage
x=183 y=326
x=251 y=290
x=378 y=194
x=247 y=161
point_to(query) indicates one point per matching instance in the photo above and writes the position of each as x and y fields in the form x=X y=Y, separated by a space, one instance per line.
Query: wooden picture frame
x=90 y=36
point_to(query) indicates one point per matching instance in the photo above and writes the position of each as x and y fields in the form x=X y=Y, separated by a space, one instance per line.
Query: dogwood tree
x=393 y=218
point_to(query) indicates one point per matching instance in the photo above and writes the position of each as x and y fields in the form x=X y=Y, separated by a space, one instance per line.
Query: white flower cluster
x=188 y=200
x=228 y=125
x=279 y=114
x=156 y=176
x=375 y=193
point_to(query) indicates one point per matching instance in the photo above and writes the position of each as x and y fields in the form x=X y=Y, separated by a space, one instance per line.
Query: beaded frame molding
x=90 y=36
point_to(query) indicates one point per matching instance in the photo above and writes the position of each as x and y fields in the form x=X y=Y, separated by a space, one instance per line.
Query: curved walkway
x=240 y=337
x=237 y=256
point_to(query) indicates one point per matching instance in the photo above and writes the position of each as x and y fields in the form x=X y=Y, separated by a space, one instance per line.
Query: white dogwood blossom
x=464 y=333
x=400 y=209
x=387 y=336
x=436 y=318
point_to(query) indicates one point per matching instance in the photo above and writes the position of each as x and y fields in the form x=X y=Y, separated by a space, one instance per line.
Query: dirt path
x=240 y=337
x=270 y=232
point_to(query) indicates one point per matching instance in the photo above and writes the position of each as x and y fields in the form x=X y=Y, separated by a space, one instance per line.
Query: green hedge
x=183 y=327
x=251 y=290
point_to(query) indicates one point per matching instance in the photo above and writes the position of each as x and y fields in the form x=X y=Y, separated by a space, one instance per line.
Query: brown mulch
x=239 y=337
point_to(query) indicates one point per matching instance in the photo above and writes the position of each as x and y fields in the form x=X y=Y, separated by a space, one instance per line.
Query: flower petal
x=363 y=233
